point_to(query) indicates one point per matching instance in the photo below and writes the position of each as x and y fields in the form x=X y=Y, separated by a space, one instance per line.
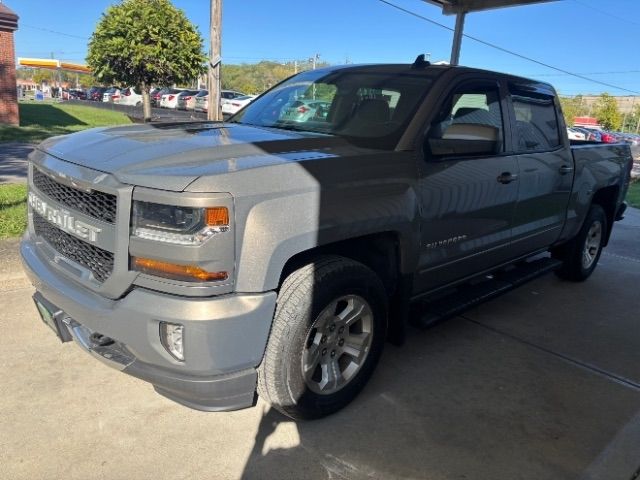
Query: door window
x=469 y=123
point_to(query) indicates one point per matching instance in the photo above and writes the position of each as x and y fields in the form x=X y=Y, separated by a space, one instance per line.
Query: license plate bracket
x=52 y=317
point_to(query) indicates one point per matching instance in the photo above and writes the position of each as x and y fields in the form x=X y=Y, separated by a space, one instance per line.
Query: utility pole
x=314 y=60
x=215 y=31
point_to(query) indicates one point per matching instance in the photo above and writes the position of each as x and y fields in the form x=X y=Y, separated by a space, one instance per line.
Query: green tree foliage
x=607 y=112
x=572 y=107
x=258 y=77
x=632 y=120
x=254 y=78
x=144 y=43
x=42 y=75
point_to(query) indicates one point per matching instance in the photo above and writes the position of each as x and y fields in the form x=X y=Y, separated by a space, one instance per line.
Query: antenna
x=420 y=62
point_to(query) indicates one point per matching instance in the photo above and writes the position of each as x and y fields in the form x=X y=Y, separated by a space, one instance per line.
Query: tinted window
x=536 y=126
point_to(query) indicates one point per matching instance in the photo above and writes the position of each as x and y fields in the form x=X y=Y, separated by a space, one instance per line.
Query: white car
x=129 y=96
x=574 y=134
x=202 y=102
x=232 y=106
x=112 y=95
x=170 y=99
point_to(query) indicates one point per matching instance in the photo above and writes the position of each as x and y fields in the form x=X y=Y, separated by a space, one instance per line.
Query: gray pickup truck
x=275 y=253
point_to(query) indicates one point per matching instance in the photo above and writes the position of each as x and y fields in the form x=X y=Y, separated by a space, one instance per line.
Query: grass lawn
x=13 y=210
x=46 y=119
x=633 y=195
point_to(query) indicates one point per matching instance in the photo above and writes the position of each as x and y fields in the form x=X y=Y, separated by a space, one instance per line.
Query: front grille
x=99 y=261
x=96 y=204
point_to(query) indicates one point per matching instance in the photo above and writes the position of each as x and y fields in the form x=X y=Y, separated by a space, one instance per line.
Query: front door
x=468 y=188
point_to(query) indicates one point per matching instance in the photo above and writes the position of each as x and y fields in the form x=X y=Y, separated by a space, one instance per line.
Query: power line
x=619 y=72
x=604 y=12
x=510 y=52
x=47 y=53
x=54 y=31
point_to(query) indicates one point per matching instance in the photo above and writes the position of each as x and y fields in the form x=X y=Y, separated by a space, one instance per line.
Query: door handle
x=564 y=169
x=507 y=177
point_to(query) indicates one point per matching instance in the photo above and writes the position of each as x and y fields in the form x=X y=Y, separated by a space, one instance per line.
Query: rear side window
x=536 y=126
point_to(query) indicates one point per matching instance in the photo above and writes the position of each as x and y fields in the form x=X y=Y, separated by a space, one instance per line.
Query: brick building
x=8 y=93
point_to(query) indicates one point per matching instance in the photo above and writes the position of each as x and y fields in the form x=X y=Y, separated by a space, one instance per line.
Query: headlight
x=179 y=225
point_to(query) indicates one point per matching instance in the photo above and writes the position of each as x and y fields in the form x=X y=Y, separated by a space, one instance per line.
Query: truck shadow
x=457 y=401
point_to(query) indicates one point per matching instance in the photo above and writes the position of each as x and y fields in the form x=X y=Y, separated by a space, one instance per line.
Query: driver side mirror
x=465 y=139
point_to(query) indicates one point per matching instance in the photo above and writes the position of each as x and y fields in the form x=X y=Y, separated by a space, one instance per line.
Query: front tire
x=327 y=336
x=580 y=255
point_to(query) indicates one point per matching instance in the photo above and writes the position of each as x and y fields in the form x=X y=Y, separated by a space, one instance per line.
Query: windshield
x=371 y=109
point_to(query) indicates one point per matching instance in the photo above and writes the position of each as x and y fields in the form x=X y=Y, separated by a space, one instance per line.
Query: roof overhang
x=451 y=7
x=8 y=19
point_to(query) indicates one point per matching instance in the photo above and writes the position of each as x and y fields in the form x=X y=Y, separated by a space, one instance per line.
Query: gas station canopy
x=460 y=8
x=53 y=64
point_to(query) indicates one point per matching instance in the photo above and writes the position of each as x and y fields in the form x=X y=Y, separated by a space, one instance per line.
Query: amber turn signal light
x=189 y=273
x=217 y=216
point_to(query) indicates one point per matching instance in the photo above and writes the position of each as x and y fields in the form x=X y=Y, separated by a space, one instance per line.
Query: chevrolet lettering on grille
x=63 y=219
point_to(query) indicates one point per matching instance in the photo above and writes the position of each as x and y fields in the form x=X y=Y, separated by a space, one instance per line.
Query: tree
x=143 y=43
x=607 y=112
x=257 y=77
x=41 y=76
x=632 y=120
x=572 y=107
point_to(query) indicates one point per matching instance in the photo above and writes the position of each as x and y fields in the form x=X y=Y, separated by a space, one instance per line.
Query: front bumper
x=224 y=336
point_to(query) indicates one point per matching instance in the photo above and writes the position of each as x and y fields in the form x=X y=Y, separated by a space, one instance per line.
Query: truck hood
x=171 y=156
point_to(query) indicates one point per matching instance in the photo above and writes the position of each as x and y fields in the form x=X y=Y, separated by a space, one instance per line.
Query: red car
x=608 y=137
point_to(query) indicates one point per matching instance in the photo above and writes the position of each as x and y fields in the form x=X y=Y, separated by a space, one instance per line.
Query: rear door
x=545 y=165
x=468 y=186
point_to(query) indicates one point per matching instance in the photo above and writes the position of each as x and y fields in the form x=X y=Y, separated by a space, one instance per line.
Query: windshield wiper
x=289 y=126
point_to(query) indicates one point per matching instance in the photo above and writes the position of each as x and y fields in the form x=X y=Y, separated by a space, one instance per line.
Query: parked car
x=192 y=103
x=630 y=138
x=575 y=134
x=234 y=105
x=95 y=93
x=593 y=134
x=78 y=94
x=187 y=99
x=609 y=137
x=111 y=95
x=279 y=256
x=305 y=110
x=156 y=95
x=202 y=103
x=129 y=96
x=170 y=99
x=230 y=95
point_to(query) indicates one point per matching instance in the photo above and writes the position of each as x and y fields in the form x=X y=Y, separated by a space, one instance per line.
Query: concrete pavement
x=13 y=162
x=542 y=383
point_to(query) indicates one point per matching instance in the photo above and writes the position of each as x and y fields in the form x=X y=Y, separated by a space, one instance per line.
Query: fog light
x=171 y=338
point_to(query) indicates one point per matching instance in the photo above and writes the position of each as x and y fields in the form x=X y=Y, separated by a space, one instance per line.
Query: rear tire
x=580 y=255
x=327 y=336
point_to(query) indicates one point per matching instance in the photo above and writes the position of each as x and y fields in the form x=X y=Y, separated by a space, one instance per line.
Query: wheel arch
x=607 y=198
x=381 y=252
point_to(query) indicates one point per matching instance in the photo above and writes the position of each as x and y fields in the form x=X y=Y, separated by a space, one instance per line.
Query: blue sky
x=592 y=37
